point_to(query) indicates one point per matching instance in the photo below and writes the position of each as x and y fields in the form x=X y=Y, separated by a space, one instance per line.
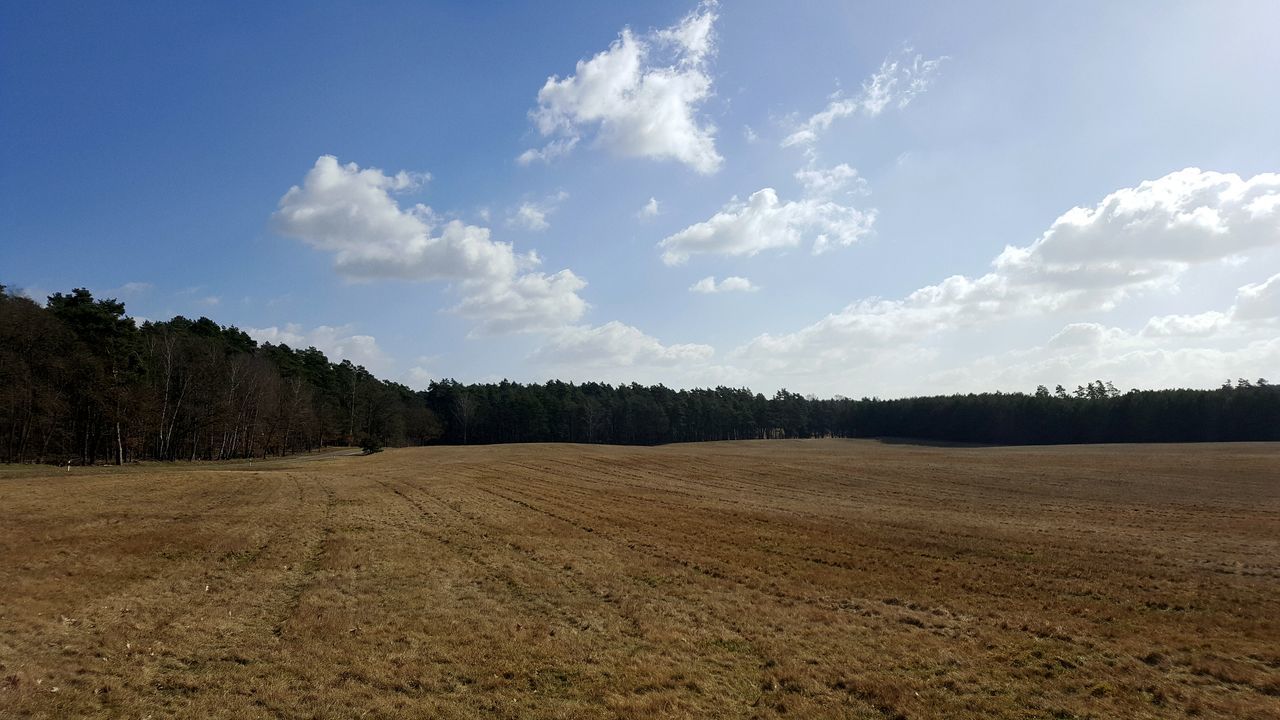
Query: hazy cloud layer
x=1135 y=241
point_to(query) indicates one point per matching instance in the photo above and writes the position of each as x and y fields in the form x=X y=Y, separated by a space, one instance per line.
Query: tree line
x=82 y=382
x=648 y=415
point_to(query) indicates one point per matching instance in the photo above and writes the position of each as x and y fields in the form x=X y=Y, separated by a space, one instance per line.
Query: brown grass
x=760 y=579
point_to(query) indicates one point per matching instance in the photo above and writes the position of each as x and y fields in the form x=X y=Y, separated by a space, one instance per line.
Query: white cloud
x=612 y=345
x=418 y=377
x=548 y=152
x=708 y=285
x=649 y=210
x=829 y=182
x=1201 y=325
x=1085 y=334
x=641 y=97
x=528 y=302
x=337 y=343
x=40 y=296
x=1256 y=306
x=1136 y=240
x=533 y=215
x=1129 y=360
x=749 y=135
x=1145 y=237
x=763 y=222
x=1260 y=301
x=352 y=213
x=899 y=80
x=134 y=288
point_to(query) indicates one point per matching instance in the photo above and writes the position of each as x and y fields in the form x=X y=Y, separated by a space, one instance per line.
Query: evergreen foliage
x=81 y=382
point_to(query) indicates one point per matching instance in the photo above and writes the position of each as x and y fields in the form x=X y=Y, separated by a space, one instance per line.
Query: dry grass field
x=809 y=579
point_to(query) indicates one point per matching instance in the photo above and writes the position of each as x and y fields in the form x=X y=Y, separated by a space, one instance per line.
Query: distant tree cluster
x=81 y=382
x=646 y=415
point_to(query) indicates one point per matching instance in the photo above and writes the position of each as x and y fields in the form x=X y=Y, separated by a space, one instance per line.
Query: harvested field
x=808 y=579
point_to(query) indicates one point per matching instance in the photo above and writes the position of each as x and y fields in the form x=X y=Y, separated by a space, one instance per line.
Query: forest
x=82 y=383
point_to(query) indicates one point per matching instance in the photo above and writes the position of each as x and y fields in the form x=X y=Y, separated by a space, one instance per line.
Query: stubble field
x=807 y=579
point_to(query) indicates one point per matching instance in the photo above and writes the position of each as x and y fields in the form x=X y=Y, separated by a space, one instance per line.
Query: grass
x=759 y=579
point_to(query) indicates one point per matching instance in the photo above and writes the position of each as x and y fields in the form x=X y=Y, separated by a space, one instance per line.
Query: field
x=807 y=579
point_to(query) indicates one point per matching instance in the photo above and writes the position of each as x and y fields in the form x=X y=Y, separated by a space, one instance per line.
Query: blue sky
x=847 y=198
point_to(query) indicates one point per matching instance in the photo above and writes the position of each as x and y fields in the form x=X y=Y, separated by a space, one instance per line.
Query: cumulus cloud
x=1145 y=237
x=533 y=215
x=649 y=210
x=764 y=222
x=898 y=81
x=1260 y=301
x=525 y=303
x=829 y=182
x=1202 y=324
x=1256 y=306
x=337 y=343
x=354 y=214
x=612 y=345
x=1134 y=241
x=530 y=217
x=548 y=152
x=1085 y=334
x=708 y=285
x=419 y=378
x=641 y=97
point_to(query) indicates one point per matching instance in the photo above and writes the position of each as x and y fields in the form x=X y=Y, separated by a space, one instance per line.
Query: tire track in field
x=778 y=531
x=576 y=576
x=471 y=551
x=996 y=566
x=861 y=607
x=127 y=594
x=727 y=625
x=725 y=621
x=869 y=617
x=309 y=567
x=639 y=525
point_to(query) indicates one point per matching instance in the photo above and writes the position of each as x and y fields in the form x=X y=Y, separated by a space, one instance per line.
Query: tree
x=464 y=411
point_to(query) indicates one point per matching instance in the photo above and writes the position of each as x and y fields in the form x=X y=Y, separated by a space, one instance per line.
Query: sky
x=836 y=198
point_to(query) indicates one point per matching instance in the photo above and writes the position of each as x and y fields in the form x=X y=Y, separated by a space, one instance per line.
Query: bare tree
x=464 y=410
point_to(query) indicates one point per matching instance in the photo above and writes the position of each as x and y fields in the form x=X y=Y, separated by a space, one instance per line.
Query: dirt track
x=806 y=579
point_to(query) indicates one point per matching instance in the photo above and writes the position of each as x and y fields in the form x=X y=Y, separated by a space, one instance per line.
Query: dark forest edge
x=81 y=382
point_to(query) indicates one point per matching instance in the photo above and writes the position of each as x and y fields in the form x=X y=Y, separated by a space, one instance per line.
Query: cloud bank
x=1135 y=241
